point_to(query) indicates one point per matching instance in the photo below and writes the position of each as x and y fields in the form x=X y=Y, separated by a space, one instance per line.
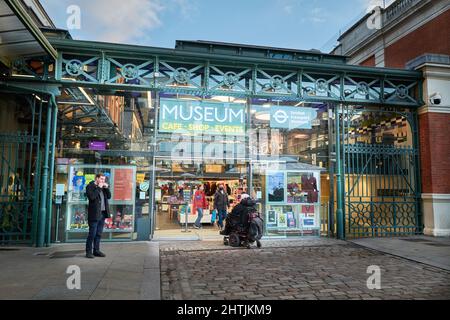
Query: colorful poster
x=282 y=220
x=123 y=185
x=294 y=188
x=89 y=178
x=291 y=223
x=272 y=218
x=140 y=177
x=275 y=187
x=308 y=222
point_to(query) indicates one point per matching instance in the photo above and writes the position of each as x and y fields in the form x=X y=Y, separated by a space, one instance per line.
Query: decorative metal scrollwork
x=276 y=82
x=130 y=71
x=230 y=79
x=181 y=75
x=74 y=67
x=321 y=85
x=401 y=91
x=362 y=88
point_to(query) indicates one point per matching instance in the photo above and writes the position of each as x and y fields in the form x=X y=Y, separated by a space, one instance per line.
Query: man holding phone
x=98 y=194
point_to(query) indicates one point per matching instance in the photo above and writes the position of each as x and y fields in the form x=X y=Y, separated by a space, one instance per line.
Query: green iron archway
x=207 y=69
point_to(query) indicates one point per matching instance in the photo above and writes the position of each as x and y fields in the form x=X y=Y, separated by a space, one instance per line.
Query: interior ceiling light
x=301 y=136
x=263 y=116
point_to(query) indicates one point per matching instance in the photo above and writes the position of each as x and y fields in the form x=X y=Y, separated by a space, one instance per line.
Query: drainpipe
x=44 y=178
x=52 y=170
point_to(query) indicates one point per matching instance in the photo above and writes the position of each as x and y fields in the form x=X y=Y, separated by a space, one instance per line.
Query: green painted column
x=36 y=183
x=52 y=171
x=339 y=178
x=44 y=179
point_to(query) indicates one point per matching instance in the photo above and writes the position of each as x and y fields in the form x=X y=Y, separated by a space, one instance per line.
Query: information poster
x=123 y=185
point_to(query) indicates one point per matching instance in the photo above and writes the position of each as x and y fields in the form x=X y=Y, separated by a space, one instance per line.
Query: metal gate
x=19 y=176
x=381 y=172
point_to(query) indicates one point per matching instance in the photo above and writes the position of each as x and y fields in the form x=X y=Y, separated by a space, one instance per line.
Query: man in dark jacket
x=221 y=204
x=98 y=194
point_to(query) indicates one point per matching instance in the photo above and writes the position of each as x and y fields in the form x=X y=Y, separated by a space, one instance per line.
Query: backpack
x=256 y=227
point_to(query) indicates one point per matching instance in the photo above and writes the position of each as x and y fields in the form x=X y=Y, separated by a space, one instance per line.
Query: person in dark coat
x=239 y=214
x=98 y=195
x=221 y=204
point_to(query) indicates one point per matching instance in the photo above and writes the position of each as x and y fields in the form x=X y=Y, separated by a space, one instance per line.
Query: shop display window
x=292 y=202
x=122 y=184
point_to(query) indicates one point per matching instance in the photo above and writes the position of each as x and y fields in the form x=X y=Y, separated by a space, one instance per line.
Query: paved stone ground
x=429 y=250
x=129 y=271
x=306 y=269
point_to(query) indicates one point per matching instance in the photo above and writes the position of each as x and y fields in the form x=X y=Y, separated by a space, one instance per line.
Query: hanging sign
x=197 y=117
x=285 y=117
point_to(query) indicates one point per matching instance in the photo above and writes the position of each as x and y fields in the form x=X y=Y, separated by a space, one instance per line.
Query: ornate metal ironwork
x=16 y=196
x=138 y=68
x=381 y=182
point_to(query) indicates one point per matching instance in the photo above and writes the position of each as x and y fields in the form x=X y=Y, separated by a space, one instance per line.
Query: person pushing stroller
x=243 y=225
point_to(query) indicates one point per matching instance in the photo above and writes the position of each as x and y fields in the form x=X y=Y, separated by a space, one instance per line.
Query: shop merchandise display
x=309 y=184
x=180 y=202
x=122 y=217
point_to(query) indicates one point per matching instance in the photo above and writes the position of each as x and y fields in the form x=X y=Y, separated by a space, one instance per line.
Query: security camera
x=436 y=98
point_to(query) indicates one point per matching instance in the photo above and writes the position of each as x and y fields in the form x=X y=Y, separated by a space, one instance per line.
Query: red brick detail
x=369 y=62
x=433 y=37
x=434 y=134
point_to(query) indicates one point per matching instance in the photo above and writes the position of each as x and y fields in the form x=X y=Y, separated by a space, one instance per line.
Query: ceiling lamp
x=221 y=98
x=263 y=116
x=301 y=136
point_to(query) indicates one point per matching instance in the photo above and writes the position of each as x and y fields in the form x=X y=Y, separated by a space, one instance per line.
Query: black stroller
x=244 y=226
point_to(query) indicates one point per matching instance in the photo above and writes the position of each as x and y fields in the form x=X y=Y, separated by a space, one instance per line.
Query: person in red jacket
x=199 y=203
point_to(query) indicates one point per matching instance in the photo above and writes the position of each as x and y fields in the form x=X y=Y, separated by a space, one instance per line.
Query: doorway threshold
x=192 y=235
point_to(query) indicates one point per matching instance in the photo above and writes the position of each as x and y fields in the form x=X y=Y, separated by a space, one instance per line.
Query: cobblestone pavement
x=306 y=270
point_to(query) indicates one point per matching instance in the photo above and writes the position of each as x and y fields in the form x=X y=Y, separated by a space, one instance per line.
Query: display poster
x=89 y=178
x=78 y=218
x=292 y=201
x=158 y=194
x=272 y=219
x=123 y=184
x=309 y=222
x=140 y=177
x=276 y=186
x=302 y=188
x=282 y=220
x=290 y=219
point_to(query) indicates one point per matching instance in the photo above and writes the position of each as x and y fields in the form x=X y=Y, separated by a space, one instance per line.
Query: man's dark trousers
x=95 y=235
